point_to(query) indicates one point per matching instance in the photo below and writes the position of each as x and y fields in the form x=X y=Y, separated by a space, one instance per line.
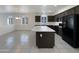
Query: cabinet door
x=51 y=26
x=39 y=39
x=55 y=18
x=49 y=36
x=37 y=18
x=77 y=10
x=51 y=19
x=65 y=13
x=61 y=14
x=44 y=39
x=60 y=31
x=70 y=11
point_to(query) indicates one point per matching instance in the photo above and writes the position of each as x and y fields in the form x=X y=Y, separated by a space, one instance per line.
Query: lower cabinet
x=51 y=26
x=45 y=39
x=57 y=29
x=54 y=28
x=60 y=32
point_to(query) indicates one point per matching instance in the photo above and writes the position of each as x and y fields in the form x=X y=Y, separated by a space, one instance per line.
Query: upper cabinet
x=70 y=11
x=37 y=18
x=51 y=19
x=77 y=10
x=58 y=17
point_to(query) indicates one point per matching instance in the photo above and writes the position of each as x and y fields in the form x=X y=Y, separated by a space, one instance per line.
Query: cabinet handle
x=41 y=35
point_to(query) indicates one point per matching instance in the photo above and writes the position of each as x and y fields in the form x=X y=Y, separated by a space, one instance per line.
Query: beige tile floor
x=25 y=42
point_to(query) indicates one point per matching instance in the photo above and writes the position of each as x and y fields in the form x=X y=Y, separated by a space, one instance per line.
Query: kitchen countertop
x=42 y=29
x=48 y=23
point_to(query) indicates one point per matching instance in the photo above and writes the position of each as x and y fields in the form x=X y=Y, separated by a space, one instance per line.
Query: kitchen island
x=44 y=36
x=48 y=23
x=53 y=25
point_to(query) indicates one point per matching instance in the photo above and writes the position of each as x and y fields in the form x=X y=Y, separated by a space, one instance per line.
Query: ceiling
x=54 y=9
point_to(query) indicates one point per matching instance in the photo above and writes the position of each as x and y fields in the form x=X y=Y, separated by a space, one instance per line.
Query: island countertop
x=42 y=29
x=48 y=23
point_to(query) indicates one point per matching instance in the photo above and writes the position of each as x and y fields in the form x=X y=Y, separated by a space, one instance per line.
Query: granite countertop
x=42 y=29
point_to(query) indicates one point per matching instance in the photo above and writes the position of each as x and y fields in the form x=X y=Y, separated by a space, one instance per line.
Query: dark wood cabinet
x=77 y=10
x=70 y=11
x=60 y=31
x=61 y=14
x=51 y=19
x=37 y=18
x=56 y=28
x=55 y=17
x=70 y=31
x=51 y=26
x=70 y=28
x=65 y=13
x=58 y=18
x=45 y=39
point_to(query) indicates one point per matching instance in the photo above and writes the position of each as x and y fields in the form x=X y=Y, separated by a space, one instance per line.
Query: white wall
x=29 y=26
x=4 y=27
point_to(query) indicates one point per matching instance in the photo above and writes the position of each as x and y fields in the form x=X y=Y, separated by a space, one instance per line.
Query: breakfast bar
x=45 y=36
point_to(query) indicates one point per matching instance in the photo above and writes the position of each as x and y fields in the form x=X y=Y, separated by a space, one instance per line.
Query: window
x=24 y=20
x=44 y=19
x=10 y=20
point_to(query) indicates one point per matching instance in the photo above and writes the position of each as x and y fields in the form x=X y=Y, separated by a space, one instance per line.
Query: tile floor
x=25 y=42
